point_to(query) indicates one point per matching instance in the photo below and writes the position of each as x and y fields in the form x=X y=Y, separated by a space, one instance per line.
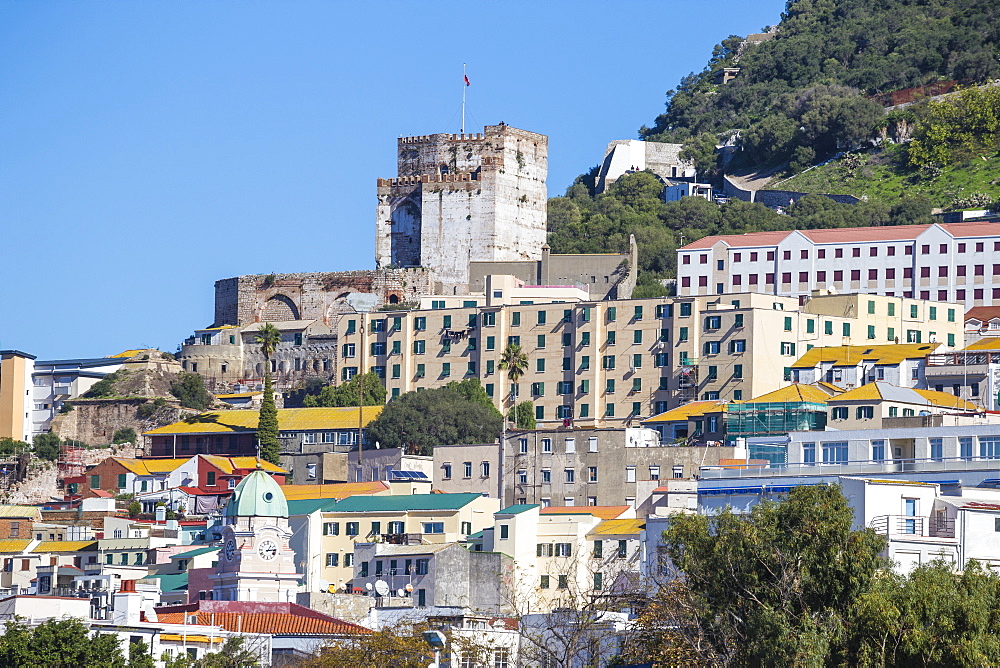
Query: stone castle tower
x=463 y=198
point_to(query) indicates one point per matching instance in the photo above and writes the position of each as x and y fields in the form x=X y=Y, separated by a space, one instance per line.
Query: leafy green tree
x=60 y=643
x=233 y=654
x=10 y=446
x=774 y=586
x=701 y=151
x=125 y=435
x=459 y=412
x=268 y=339
x=372 y=391
x=524 y=415
x=134 y=509
x=189 y=388
x=46 y=446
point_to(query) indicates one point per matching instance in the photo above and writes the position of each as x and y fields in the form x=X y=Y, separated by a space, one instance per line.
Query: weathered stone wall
x=775 y=198
x=94 y=421
x=312 y=296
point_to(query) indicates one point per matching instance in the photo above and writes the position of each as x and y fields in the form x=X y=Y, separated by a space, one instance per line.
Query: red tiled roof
x=197 y=491
x=274 y=623
x=849 y=234
x=982 y=313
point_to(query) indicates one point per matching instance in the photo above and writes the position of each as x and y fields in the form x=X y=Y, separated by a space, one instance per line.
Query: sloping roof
x=195 y=552
x=846 y=235
x=796 y=392
x=882 y=391
x=127 y=353
x=603 y=512
x=273 y=623
x=687 y=411
x=982 y=313
x=309 y=506
x=14 y=545
x=340 y=490
x=65 y=546
x=230 y=464
x=403 y=503
x=171 y=581
x=150 y=466
x=516 y=509
x=891 y=353
x=289 y=419
x=15 y=512
x=238 y=395
x=629 y=527
x=986 y=343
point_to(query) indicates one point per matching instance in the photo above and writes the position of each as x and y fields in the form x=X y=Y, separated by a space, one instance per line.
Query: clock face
x=267 y=550
x=230 y=550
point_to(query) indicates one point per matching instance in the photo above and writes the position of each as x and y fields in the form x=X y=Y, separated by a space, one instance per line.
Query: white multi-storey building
x=947 y=262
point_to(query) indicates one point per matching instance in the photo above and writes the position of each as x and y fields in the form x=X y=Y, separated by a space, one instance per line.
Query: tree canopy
x=790 y=583
x=64 y=643
x=189 y=388
x=371 y=388
x=459 y=412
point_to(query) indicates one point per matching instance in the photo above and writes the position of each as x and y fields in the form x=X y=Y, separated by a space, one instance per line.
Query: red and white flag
x=466 y=77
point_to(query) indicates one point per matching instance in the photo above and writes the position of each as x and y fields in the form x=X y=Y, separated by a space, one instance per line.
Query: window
x=540 y=317
x=787 y=348
x=835 y=452
x=864 y=412
x=445 y=369
x=878 y=451
x=546 y=475
x=433 y=527
x=538 y=389
x=570 y=476
x=808 y=453
x=965 y=448
x=711 y=322
x=504 y=531
x=543 y=582
x=522 y=476
x=419 y=347
x=484 y=469
x=629 y=474
x=608 y=362
x=353 y=528
x=564 y=550
x=546 y=445
x=682 y=334
x=937 y=448
x=467 y=467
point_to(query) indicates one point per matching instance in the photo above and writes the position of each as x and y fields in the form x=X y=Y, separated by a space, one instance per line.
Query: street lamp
x=437 y=641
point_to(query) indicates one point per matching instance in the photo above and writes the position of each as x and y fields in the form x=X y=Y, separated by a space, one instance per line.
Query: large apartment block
x=605 y=363
x=945 y=262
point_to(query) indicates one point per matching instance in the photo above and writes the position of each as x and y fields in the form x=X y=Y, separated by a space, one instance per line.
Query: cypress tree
x=267 y=426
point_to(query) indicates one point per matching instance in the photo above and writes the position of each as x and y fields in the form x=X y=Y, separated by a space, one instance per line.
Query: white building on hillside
x=945 y=262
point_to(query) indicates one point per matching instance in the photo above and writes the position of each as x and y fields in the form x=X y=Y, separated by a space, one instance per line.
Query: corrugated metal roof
x=65 y=546
x=603 y=512
x=340 y=490
x=195 y=552
x=629 y=527
x=882 y=391
x=150 y=466
x=289 y=419
x=796 y=392
x=517 y=509
x=404 y=503
x=170 y=581
x=14 y=512
x=14 y=545
x=892 y=353
x=687 y=411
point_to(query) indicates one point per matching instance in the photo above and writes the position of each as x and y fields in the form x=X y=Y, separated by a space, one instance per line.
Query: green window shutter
x=828 y=327
x=847 y=329
x=810 y=326
x=788 y=323
x=892 y=309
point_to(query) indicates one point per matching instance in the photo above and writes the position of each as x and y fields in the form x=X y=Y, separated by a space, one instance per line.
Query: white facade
x=56 y=381
x=946 y=262
x=675 y=192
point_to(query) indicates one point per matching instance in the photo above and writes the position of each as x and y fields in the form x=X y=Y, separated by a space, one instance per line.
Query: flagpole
x=465 y=78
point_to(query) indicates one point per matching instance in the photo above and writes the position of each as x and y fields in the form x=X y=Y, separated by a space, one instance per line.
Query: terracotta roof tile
x=274 y=623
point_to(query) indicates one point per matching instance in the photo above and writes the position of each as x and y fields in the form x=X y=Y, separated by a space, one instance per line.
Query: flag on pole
x=466 y=77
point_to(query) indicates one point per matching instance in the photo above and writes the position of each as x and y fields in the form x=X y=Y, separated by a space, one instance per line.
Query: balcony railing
x=962 y=358
x=862 y=467
x=909 y=525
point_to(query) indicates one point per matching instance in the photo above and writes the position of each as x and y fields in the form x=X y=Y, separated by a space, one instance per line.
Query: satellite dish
x=401 y=592
x=408 y=587
x=381 y=588
x=377 y=445
x=368 y=586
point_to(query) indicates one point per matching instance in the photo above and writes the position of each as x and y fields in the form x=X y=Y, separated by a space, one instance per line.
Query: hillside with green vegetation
x=804 y=96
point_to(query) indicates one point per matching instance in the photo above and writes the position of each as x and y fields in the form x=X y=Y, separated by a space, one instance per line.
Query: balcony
x=963 y=358
x=861 y=467
x=917 y=527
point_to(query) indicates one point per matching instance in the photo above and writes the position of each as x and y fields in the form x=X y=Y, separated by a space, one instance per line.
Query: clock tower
x=255 y=561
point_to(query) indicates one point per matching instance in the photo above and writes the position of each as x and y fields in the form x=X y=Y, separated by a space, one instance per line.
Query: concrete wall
x=456 y=456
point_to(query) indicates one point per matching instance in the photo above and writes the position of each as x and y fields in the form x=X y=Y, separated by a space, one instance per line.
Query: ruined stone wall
x=94 y=421
x=312 y=296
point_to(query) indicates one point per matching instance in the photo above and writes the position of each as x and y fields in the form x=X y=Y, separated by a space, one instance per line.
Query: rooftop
x=602 y=512
x=340 y=490
x=516 y=509
x=65 y=546
x=289 y=419
x=274 y=623
x=404 y=503
x=798 y=392
x=15 y=512
x=882 y=391
x=689 y=410
x=891 y=353
x=629 y=527
x=986 y=343
x=14 y=545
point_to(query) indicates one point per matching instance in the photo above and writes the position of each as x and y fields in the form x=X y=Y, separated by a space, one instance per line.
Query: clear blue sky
x=148 y=149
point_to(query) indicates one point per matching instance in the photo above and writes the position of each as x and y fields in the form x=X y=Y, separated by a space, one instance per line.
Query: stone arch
x=393 y=298
x=279 y=308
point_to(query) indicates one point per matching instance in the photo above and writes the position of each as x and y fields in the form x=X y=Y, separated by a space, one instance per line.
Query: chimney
x=127 y=605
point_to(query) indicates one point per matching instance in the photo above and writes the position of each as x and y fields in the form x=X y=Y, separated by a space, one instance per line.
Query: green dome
x=257 y=495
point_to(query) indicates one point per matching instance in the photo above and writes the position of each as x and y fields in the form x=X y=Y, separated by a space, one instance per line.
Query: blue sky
x=148 y=149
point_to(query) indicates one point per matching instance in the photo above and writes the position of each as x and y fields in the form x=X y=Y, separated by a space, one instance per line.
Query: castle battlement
x=424 y=139
x=428 y=178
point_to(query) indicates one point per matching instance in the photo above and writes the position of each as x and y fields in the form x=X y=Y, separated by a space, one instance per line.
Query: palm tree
x=514 y=361
x=268 y=339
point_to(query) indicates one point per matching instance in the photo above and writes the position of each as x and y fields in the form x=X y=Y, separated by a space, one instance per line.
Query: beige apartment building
x=602 y=364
